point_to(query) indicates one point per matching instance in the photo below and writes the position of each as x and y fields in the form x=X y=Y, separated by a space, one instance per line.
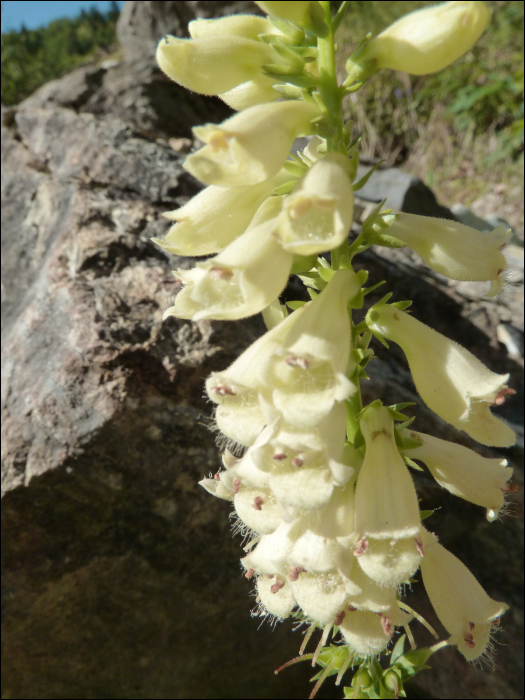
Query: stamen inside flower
x=218 y=140
x=220 y=273
x=361 y=548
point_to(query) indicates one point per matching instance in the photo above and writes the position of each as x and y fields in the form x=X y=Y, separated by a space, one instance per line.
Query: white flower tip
x=216 y=488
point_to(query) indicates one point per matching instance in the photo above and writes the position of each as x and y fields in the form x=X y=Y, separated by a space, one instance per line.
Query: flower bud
x=213 y=64
x=429 y=39
x=458 y=599
x=453 y=249
x=385 y=496
x=463 y=472
x=317 y=215
x=450 y=380
x=239 y=282
x=251 y=146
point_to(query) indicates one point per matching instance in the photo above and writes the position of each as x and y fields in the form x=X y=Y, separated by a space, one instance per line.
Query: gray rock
x=402 y=192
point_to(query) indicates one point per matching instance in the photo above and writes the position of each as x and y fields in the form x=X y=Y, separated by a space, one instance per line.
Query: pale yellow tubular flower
x=251 y=146
x=388 y=562
x=272 y=552
x=453 y=249
x=296 y=11
x=259 y=88
x=387 y=520
x=452 y=382
x=308 y=373
x=306 y=478
x=429 y=39
x=253 y=92
x=216 y=488
x=463 y=472
x=368 y=633
x=320 y=596
x=463 y=607
x=215 y=217
x=239 y=282
x=213 y=64
x=372 y=596
x=317 y=215
x=238 y=390
x=247 y=26
x=385 y=497
x=257 y=509
x=275 y=595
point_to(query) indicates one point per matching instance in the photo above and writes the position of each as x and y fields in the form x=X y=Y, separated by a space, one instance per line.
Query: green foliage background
x=31 y=58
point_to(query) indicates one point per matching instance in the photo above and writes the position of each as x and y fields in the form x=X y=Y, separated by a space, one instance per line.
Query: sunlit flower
x=215 y=217
x=239 y=282
x=429 y=39
x=385 y=497
x=453 y=249
x=463 y=472
x=368 y=633
x=460 y=602
x=251 y=146
x=317 y=215
x=386 y=508
x=213 y=64
x=451 y=381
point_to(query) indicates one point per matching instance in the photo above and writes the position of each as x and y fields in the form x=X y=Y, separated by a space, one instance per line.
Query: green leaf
x=326 y=274
x=287 y=75
x=303 y=264
x=413 y=661
x=398 y=650
x=367 y=290
x=286 y=188
x=396 y=415
x=402 y=305
x=402 y=426
x=290 y=56
x=412 y=464
x=362 y=182
x=290 y=30
x=410 y=443
x=289 y=91
x=295 y=169
x=294 y=305
x=340 y=15
x=401 y=406
x=424 y=514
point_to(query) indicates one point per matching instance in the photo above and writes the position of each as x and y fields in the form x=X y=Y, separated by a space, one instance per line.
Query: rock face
x=120 y=578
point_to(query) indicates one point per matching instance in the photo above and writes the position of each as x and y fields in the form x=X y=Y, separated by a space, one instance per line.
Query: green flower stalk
x=320 y=484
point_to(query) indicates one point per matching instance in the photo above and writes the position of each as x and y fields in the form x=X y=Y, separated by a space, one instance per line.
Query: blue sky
x=39 y=14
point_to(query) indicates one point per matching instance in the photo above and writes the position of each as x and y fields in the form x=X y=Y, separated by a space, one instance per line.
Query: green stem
x=332 y=97
x=331 y=93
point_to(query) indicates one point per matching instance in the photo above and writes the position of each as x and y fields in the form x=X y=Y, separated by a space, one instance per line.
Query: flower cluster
x=320 y=485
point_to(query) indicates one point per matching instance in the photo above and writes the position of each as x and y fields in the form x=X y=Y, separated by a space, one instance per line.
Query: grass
x=460 y=130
